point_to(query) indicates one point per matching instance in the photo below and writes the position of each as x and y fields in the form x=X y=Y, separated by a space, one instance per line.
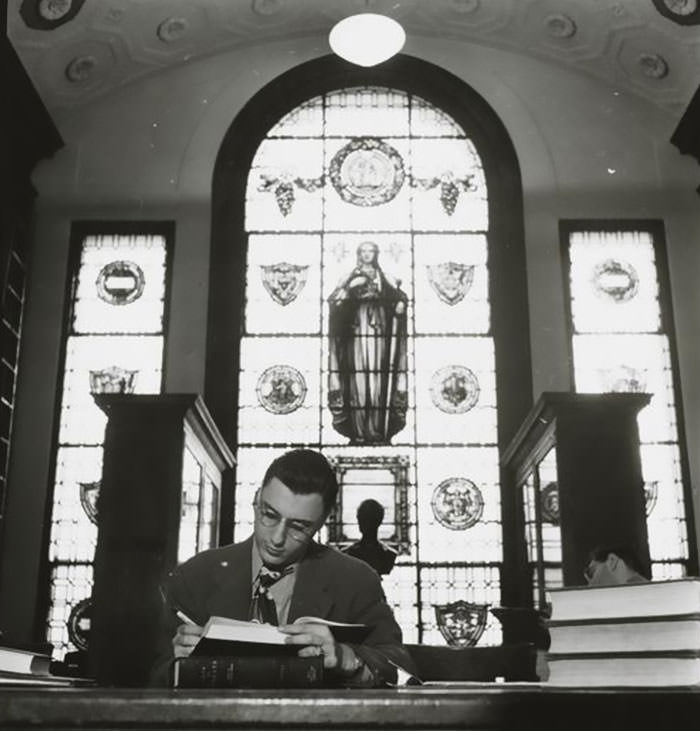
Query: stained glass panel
x=428 y=121
x=448 y=187
x=371 y=250
x=122 y=271
x=455 y=390
x=451 y=284
x=369 y=111
x=71 y=584
x=306 y=120
x=449 y=583
x=369 y=194
x=619 y=345
x=614 y=286
x=114 y=344
x=82 y=421
x=285 y=186
x=284 y=284
x=400 y=589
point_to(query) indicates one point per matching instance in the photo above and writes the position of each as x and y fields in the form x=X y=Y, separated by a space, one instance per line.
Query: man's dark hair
x=305 y=472
x=370 y=515
x=627 y=554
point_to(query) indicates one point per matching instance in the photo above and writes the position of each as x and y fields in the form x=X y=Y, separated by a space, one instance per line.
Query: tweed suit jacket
x=328 y=584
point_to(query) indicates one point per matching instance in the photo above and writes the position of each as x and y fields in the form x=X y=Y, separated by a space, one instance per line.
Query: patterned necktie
x=263 y=607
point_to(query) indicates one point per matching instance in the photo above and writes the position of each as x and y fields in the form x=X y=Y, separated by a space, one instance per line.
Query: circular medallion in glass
x=457 y=503
x=120 y=282
x=454 y=389
x=281 y=389
x=367 y=172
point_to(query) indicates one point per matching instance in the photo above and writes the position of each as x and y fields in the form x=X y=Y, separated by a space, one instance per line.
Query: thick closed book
x=224 y=636
x=625 y=669
x=23 y=661
x=264 y=671
x=626 y=634
x=649 y=599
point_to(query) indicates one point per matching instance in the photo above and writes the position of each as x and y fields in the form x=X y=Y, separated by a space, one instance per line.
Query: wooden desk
x=477 y=706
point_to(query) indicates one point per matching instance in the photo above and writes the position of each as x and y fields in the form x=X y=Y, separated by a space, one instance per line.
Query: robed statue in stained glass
x=367 y=392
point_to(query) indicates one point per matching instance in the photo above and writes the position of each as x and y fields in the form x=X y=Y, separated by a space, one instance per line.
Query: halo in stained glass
x=651 y=493
x=120 y=282
x=549 y=502
x=113 y=380
x=283 y=281
x=615 y=279
x=457 y=503
x=450 y=280
x=454 y=389
x=79 y=623
x=89 y=493
x=281 y=389
x=367 y=172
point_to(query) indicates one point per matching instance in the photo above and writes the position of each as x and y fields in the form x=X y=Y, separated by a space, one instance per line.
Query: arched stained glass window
x=367 y=333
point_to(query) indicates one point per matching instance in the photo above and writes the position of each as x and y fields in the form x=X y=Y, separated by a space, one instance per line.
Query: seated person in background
x=281 y=562
x=614 y=565
x=369 y=548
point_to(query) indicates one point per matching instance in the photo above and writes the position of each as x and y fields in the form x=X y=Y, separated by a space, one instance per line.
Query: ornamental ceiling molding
x=642 y=46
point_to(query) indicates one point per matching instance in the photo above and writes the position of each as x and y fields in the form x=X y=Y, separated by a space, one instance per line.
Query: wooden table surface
x=468 y=706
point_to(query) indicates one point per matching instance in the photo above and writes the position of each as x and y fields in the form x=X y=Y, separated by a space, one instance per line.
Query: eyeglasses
x=297 y=530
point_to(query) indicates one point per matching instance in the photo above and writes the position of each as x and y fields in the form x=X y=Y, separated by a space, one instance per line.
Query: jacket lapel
x=234 y=580
x=311 y=596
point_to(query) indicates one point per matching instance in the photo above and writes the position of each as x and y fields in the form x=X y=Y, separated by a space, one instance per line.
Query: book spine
x=248 y=672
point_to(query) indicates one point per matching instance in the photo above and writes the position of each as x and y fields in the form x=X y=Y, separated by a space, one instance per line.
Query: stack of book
x=236 y=654
x=634 y=634
x=23 y=667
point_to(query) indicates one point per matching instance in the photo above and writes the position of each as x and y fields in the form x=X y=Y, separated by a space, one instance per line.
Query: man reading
x=280 y=574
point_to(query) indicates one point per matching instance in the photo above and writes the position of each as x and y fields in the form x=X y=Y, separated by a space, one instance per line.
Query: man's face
x=603 y=573
x=367 y=253
x=285 y=522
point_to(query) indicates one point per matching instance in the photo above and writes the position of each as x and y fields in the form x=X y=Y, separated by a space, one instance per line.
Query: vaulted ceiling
x=77 y=51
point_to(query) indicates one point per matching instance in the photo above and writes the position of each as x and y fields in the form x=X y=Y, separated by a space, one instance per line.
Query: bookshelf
x=573 y=480
x=164 y=470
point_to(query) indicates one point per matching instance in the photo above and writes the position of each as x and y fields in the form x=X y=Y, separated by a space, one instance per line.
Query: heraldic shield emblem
x=284 y=281
x=461 y=623
x=450 y=280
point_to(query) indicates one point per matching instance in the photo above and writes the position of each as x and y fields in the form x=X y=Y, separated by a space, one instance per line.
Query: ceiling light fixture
x=367 y=39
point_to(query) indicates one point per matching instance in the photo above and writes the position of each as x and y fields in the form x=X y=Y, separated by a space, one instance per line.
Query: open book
x=224 y=636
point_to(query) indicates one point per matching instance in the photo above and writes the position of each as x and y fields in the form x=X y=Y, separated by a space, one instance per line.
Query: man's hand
x=186 y=637
x=316 y=639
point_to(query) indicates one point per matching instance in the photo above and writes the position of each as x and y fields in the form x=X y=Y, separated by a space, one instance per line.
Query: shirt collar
x=257 y=562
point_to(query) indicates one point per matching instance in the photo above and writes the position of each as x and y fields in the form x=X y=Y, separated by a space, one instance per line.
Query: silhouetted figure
x=369 y=548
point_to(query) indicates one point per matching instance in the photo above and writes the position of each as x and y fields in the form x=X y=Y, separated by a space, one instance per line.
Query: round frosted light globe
x=367 y=39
